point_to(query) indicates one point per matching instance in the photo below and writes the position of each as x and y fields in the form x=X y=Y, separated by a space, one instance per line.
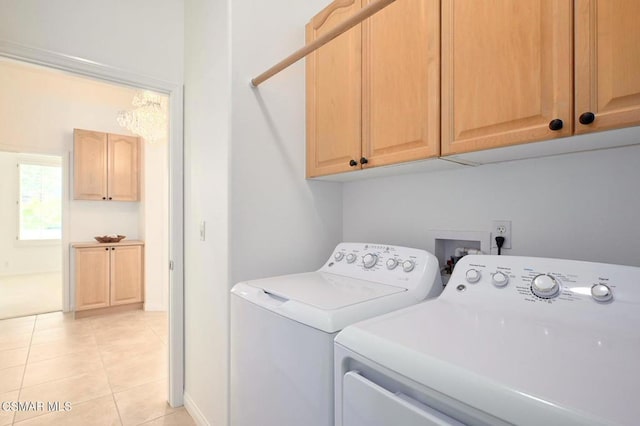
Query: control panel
x=516 y=281
x=393 y=265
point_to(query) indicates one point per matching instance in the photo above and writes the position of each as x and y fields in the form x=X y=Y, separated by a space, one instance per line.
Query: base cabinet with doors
x=105 y=166
x=108 y=276
x=372 y=99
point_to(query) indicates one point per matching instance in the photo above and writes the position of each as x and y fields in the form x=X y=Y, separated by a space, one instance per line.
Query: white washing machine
x=511 y=340
x=282 y=328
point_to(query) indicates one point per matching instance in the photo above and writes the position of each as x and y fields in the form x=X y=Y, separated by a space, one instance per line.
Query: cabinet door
x=333 y=93
x=401 y=83
x=92 y=278
x=506 y=72
x=123 y=168
x=89 y=165
x=126 y=275
x=607 y=64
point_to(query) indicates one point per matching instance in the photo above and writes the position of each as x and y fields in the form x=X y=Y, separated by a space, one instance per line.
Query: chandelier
x=149 y=117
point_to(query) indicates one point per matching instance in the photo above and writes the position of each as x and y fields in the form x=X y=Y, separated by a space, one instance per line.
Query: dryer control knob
x=408 y=265
x=392 y=262
x=369 y=260
x=473 y=276
x=351 y=257
x=545 y=286
x=601 y=292
x=500 y=279
x=338 y=256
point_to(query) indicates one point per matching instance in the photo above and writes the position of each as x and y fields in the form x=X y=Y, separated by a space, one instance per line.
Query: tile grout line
x=26 y=362
x=104 y=369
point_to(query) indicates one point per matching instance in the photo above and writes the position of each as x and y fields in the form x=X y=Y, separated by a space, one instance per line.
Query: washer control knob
x=408 y=265
x=351 y=257
x=500 y=279
x=338 y=256
x=392 y=262
x=601 y=292
x=369 y=260
x=473 y=276
x=545 y=286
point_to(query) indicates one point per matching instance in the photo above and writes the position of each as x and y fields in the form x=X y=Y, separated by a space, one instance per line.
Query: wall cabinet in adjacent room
x=109 y=275
x=106 y=166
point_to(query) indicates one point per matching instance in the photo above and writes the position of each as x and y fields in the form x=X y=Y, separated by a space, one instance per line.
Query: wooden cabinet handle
x=587 y=118
x=556 y=124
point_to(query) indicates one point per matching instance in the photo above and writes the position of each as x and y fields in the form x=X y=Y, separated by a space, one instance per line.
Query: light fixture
x=149 y=117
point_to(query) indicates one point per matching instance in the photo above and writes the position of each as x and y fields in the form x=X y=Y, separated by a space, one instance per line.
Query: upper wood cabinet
x=607 y=64
x=373 y=93
x=506 y=73
x=106 y=166
x=334 y=93
x=401 y=83
x=510 y=72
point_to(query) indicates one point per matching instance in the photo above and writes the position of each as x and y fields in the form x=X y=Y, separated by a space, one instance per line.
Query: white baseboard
x=154 y=307
x=194 y=411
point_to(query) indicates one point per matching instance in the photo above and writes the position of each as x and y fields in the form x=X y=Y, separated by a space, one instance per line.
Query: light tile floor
x=112 y=369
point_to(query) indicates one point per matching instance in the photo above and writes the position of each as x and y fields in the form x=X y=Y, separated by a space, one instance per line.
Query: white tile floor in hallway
x=111 y=368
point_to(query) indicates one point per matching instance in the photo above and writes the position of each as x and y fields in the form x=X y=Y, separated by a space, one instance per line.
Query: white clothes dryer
x=282 y=328
x=511 y=340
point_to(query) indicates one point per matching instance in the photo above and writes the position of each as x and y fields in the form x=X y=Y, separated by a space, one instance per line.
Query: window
x=40 y=202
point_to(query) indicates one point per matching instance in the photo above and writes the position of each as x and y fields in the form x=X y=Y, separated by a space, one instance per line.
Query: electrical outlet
x=501 y=228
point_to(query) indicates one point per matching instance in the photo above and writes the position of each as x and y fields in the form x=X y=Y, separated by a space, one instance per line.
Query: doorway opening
x=172 y=251
x=31 y=280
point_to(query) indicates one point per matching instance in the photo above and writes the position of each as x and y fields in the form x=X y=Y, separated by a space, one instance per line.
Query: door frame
x=95 y=70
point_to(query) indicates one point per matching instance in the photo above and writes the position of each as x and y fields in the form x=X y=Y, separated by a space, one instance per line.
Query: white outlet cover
x=507 y=234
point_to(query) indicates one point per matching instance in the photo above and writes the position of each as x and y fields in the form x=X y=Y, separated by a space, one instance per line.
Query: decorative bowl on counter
x=110 y=238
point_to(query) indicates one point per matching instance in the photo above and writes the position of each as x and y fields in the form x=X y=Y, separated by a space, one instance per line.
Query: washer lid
x=323 y=290
x=324 y=301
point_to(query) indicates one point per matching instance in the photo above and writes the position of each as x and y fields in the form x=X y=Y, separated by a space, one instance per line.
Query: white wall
x=578 y=206
x=39 y=108
x=142 y=36
x=17 y=257
x=280 y=222
x=246 y=159
x=207 y=103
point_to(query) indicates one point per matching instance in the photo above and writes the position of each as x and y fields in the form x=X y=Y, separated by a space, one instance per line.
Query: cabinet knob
x=363 y=160
x=104 y=198
x=106 y=248
x=111 y=198
x=353 y=163
x=587 y=118
x=556 y=124
x=113 y=248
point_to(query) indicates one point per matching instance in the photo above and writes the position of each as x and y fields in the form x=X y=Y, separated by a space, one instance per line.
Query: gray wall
x=583 y=206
